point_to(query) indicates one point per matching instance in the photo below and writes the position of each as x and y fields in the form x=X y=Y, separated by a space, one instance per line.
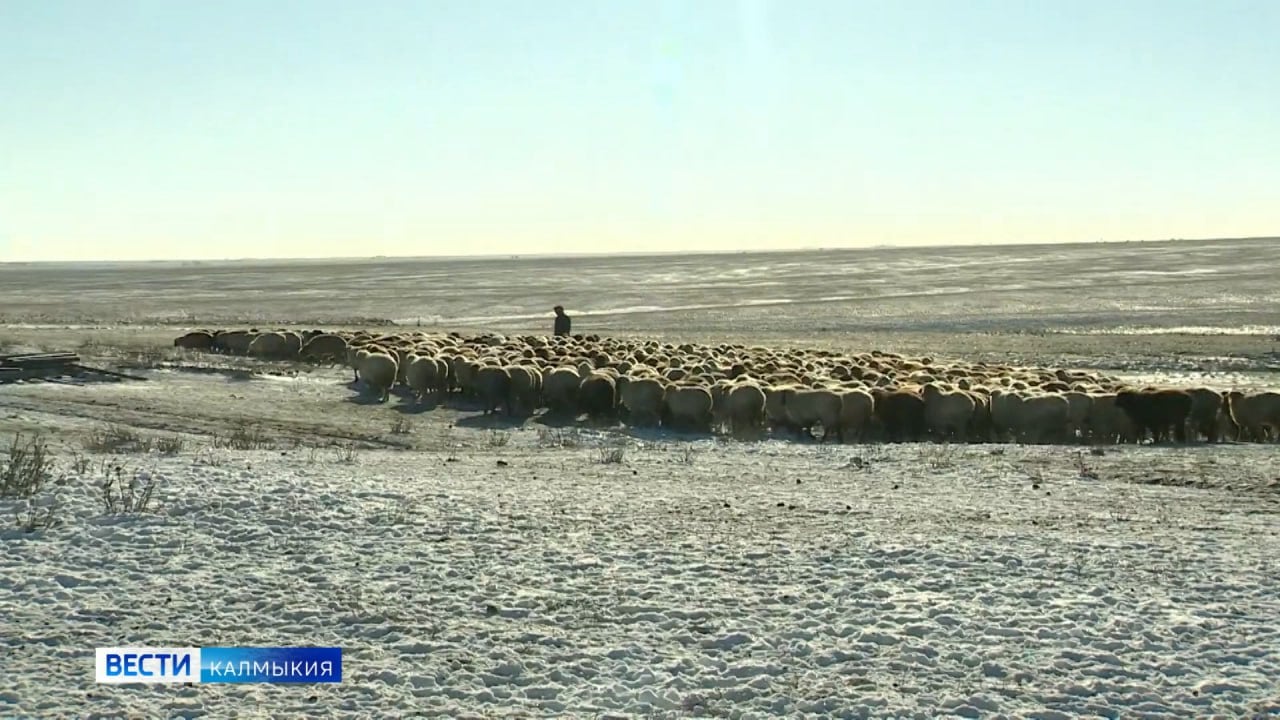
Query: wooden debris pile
x=53 y=367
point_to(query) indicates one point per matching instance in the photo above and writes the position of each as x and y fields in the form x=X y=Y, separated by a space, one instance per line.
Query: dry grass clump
x=611 y=455
x=559 y=437
x=28 y=467
x=121 y=440
x=126 y=493
x=27 y=471
x=245 y=437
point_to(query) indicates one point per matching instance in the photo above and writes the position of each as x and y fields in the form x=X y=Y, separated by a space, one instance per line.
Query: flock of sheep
x=748 y=390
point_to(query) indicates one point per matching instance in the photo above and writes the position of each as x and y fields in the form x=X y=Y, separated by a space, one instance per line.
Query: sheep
x=857 y=411
x=689 y=408
x=199 y=340
x=353 y=358
x=423 y=377
x=719 y=404
x=1203 y=419
x=235 y=342
x=271 y=346
x=378 y=370
x=1106 y=422
x=1157 y=411
x=809 y=407
x=523 y=393
x=1005 y=408
x=947 y=414
x=901 y=413
x=644 y=400
x=598 y=395
x=560 y=390
x=775 y=409
x=1257 y=415
x=1079 y=405
x=754 y=387
x=1042 y=418
x=745 y=404
x=324 y=347
x=493 y=385
x=463 y=370
x=403 y=358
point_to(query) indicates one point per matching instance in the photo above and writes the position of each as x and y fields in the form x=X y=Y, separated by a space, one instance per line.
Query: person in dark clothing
x=562 y=321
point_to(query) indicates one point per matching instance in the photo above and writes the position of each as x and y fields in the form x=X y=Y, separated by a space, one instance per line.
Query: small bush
x=1083 y=469
x=498 y=439
x=394 y=512
x=688 y=455
x=939 y=457
x=80 y=464
x=611 y=455
x=559 y=438
x=32 y=518
x=244 y=437
x=145 y=358
x=27 y=468
x=116 y=438
x=131 y=495
x=347 y=454
x=122 y=439
x=170 y=444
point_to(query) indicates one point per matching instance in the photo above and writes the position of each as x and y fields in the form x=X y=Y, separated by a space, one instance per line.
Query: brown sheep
x=1204 y=418
x=199 y=340
x=1257 y=415
x=1157 y=412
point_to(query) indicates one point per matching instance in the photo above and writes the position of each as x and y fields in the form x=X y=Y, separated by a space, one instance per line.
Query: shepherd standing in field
x=562 y=321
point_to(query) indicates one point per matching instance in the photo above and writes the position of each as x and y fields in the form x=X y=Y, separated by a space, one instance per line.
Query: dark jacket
x=562 y=325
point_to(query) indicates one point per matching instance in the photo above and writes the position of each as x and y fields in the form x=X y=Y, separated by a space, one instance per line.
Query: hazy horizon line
x=634 y=253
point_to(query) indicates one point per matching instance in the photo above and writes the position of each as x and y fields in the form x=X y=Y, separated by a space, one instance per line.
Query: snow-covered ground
x=699 y=579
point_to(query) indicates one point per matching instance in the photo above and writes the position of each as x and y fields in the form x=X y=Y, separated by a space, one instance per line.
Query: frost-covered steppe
x=480 y=568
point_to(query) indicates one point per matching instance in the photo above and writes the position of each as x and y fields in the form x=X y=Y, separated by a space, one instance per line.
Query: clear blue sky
x=174 y=129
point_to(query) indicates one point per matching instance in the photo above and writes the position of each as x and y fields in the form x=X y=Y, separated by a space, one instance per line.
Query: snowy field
x=1220 y=286
x=477 y=568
